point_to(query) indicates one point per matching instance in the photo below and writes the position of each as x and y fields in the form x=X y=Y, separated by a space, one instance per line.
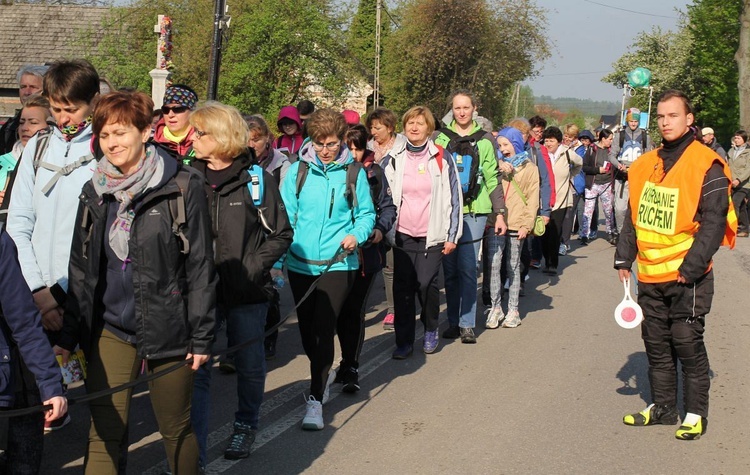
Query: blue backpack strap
x=255 y=185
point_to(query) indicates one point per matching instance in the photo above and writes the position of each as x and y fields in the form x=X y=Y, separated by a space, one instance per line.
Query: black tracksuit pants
x=672 y=329
x=415 y=272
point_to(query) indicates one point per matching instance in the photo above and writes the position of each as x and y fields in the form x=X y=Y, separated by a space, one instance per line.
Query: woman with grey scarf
x=142 y=283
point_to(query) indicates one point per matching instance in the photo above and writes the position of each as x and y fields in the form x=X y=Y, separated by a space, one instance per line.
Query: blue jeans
x=460 y=272
x=246 y=322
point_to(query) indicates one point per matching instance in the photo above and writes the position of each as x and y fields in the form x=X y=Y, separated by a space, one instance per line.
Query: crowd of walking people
x=139 y=233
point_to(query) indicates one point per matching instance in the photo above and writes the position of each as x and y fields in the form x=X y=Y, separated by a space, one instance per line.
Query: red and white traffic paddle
x=628 y=314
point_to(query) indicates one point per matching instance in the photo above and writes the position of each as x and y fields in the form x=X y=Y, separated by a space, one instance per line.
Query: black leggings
x=317 y=317
x=351 y=324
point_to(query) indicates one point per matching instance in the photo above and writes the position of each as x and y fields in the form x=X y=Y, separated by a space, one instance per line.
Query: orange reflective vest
x=663 y=209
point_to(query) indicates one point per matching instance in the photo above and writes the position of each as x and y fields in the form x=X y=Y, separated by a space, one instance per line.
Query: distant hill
x=590 y=108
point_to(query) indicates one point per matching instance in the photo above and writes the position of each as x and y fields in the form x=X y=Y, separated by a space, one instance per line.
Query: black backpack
x=465 y=153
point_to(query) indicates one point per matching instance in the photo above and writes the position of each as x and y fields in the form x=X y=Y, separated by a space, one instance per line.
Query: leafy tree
x=714 y=26
x=442 y=45
x=666 y=55
x=700 y=59
x=575 y=116
x=127 y=49
x=279 y=49
x=274 y=50
x=742 y=57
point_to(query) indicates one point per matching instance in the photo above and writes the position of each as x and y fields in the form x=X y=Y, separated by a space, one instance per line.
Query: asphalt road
x=546 y=397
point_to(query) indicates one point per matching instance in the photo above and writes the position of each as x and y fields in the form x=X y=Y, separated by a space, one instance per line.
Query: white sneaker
x=314 y=416
x=562 y=250
x=494 y=318
x=512 y=320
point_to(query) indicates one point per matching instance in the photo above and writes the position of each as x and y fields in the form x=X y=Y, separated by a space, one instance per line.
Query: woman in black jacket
x=599 y=179
x=142 y=283
x=350 y=326
x=251 y=232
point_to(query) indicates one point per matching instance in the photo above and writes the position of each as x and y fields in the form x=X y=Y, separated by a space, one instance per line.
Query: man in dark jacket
x=35 y=379
x=710 y=140
x=678 y=215
x=29 y=82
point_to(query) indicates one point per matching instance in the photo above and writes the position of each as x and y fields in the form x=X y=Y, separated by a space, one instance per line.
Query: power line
x=572 y=74
x=389 y=16
x=631 y=11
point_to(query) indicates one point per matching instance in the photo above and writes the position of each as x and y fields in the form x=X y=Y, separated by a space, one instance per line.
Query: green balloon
x=639 y=77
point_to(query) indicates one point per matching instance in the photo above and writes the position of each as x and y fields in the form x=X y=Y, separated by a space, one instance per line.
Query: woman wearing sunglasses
x=324 y=218
x=173 y=131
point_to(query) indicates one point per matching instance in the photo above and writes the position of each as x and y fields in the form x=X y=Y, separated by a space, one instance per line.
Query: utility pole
x=220 y=21
x=376 y=86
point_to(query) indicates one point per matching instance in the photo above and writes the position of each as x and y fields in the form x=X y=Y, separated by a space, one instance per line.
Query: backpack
x=177 y=204
x=629 y=154
x=255 y=186
x=465 y=152
x=352 y=172
x=42 y=144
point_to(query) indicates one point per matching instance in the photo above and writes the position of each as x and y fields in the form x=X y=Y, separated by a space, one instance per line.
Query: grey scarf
x=109 y=180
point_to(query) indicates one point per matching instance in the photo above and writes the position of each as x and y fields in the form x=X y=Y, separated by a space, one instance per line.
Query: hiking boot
x=494 y=318
x=467 y=335
x=451 y=333
x=226 y=365
x=350 y=379
x=313 y=419
x=270 y=348
x=430 y=342
x=402 y=352
x=388 y=322
x=240 y=442
x=653 y=414
x=57 y=424
x=512 y=320
x=692 y=432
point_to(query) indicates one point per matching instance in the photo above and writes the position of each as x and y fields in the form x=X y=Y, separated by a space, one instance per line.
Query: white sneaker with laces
x=313 y=419
x=512 y=319
x=494 y=318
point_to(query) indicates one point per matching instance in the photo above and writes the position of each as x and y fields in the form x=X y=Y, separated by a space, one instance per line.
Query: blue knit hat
x=514 y=136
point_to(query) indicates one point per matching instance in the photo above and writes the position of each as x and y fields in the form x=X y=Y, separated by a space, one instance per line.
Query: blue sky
x=589 y=36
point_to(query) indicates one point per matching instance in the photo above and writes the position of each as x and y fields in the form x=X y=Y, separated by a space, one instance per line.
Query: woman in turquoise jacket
x=327 y=214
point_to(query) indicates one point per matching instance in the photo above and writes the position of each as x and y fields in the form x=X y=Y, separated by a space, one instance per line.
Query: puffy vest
x=663 y=209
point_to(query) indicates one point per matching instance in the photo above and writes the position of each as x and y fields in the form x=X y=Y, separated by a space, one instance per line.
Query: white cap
x=707 y=131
